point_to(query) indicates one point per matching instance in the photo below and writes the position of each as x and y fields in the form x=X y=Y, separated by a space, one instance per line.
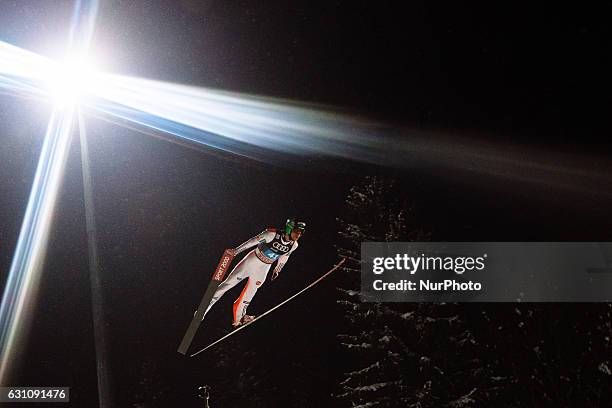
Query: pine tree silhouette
x=459 y=355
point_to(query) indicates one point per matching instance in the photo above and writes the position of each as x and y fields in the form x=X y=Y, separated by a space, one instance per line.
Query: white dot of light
x=70 y=80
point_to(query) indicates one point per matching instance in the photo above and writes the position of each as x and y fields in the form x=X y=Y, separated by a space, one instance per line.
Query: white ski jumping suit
x=271 y=247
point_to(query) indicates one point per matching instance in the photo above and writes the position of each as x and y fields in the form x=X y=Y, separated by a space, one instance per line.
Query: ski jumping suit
x=271 y=247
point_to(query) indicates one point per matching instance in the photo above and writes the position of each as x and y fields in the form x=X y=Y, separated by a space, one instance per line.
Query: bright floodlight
x=70 y=80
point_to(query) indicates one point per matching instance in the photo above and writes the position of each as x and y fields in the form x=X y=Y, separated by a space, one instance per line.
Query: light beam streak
x=22 y=71
x=250 y=125
x=236 y=122
x=95 y=279
x=24 y=275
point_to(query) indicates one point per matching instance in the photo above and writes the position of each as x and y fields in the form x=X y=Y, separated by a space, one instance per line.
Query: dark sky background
x=165 y=212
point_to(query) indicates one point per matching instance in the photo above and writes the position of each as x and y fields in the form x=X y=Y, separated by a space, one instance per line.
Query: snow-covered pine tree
x=397 y=354
x=459 y=355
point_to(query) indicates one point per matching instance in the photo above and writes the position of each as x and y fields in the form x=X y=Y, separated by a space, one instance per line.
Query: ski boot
x=246 y=319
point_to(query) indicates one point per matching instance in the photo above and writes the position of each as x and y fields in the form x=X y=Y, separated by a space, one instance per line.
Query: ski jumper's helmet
x=294 y=224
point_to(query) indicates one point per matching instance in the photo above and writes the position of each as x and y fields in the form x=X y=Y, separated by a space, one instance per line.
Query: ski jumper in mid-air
x=271 y=246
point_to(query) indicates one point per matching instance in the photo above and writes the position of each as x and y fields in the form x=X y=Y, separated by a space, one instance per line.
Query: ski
x=273 y=309
x=217 y=278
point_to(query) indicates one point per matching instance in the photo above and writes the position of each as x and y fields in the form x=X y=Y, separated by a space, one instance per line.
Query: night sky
x=532 y=78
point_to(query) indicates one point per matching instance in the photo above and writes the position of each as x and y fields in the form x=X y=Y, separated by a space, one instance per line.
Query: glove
x=277 y=270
